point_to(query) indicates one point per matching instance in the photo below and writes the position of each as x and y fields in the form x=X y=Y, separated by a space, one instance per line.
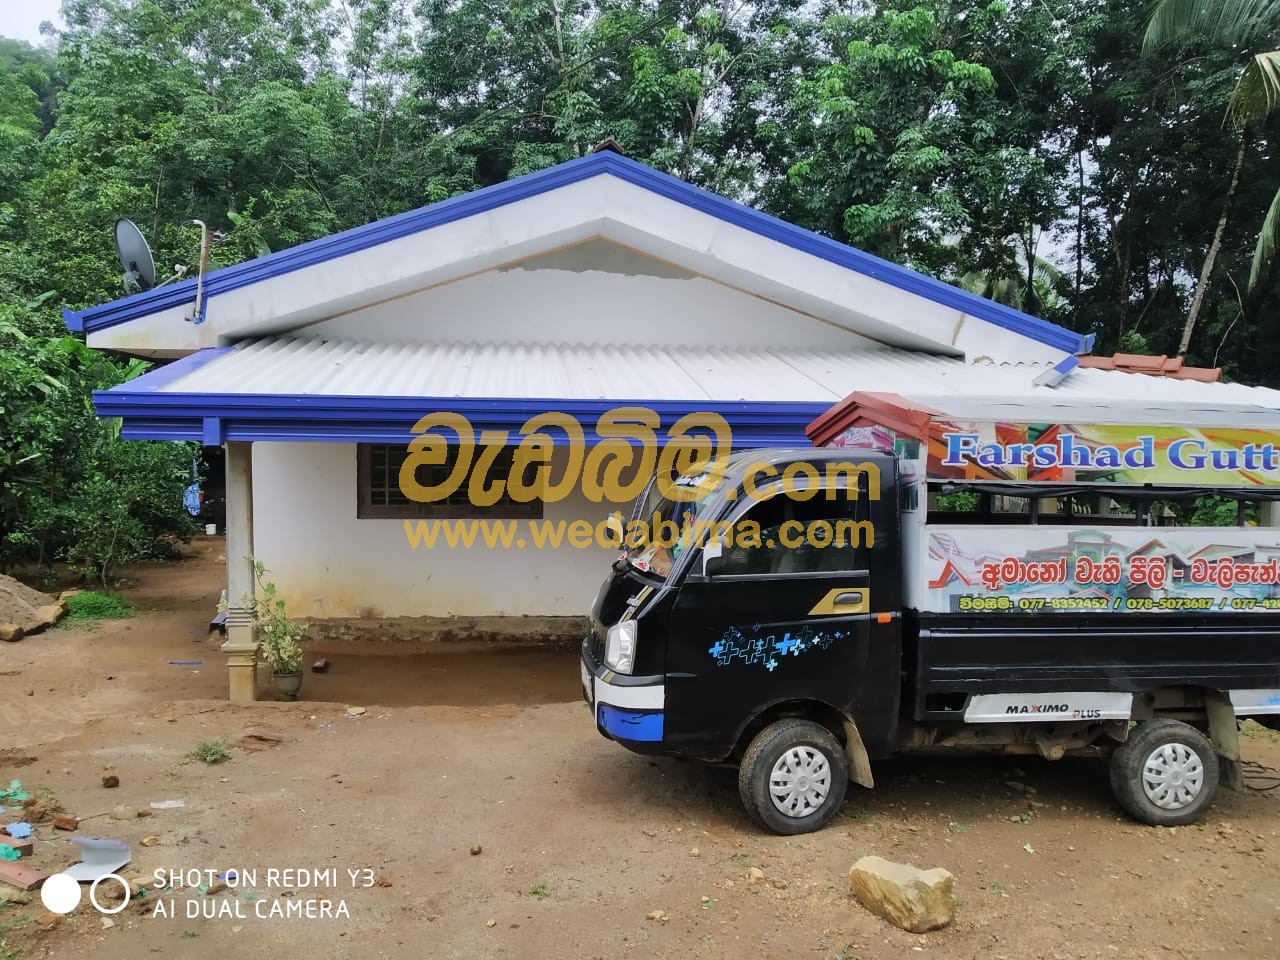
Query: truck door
x=784 y=618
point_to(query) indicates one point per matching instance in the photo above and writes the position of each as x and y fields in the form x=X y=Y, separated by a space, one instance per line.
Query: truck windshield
x=661 y=530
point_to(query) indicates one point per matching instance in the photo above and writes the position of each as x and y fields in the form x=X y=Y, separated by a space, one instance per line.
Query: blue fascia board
x=134 y=428
x=250 y=417
x=596 y=164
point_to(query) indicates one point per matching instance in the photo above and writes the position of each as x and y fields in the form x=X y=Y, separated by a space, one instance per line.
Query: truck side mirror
x=714 y=566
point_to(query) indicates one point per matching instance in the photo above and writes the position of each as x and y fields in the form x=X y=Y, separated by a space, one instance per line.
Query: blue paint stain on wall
x=631 y=724
x=769 y=647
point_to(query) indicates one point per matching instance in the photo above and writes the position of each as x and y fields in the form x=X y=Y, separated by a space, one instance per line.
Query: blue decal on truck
x=767 y=648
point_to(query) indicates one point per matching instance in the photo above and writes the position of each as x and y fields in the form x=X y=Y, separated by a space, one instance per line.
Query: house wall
x=595 y=292
x=328 y=563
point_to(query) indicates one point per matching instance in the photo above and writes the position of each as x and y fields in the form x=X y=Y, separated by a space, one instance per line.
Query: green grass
x=539 y=891
x=89 y=606
x=210 y=751
x=1255 y=730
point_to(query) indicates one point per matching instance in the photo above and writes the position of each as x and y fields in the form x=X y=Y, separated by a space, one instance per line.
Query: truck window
x=803 y=549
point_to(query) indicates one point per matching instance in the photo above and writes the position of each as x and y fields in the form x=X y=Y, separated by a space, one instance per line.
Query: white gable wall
x=601 y=207
x=596 y=292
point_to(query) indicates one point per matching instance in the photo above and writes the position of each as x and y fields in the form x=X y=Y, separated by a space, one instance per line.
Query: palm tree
x=1036 y=290
x=1246 y=24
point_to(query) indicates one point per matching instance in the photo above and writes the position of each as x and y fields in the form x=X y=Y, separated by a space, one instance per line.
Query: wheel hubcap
x=800 y=781
x=1173 y=776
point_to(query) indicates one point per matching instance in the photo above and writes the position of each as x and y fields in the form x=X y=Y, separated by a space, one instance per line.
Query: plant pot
x=288 y=683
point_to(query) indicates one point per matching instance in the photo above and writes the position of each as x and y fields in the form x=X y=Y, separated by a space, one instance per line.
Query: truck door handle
x=842 y=602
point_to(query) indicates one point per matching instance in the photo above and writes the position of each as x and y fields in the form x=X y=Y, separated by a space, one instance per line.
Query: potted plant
x=279 y=638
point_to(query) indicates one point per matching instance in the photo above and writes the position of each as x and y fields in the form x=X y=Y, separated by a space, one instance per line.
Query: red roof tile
x=1161 y=366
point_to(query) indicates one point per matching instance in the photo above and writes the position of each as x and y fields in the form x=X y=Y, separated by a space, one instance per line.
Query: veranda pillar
x=241 y=645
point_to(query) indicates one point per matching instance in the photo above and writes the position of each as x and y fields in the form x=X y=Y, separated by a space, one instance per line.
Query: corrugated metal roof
x=979 y=391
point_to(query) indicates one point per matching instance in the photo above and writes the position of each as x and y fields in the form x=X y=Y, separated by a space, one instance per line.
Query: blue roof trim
x=150 y=415
x=606 y=162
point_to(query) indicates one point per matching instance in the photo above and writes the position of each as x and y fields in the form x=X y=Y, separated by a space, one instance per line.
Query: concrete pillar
x=241 y=645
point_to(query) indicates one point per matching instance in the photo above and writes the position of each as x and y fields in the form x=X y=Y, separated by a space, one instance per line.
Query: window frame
x=366 y=509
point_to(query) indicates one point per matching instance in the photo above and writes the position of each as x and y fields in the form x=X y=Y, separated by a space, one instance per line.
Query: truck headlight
x=620 y=646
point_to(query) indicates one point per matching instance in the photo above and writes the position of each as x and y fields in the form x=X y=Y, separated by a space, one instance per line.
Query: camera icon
x=60 y=893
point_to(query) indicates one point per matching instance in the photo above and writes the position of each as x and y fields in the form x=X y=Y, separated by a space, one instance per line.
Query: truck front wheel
x=1165 y=774
x=793 y=777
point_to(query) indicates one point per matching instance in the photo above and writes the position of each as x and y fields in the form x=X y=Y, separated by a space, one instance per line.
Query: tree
x=1236 y=24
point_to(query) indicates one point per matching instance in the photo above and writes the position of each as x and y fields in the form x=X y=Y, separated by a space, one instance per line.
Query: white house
x=590 y=285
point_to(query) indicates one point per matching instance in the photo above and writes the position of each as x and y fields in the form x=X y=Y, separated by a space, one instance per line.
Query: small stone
x=660 y=915
x=755 y=874
x=706 y=899
x=649 y=833
x=384 y=880
x=149 y=841
x=216 y=887
x=491 y=922
x=779 y=884
x=915 y=900
x=1015 y=785
x=695 y=853
x=111 y=781
x=11 y=632
x=47 y=919
x=476 y=850
x=122 y=811
x=65 y=823
x=357 y=711
x=146 y=812
x=107 y=923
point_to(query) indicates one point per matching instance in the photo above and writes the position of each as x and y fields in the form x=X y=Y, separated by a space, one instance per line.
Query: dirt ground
x=579 y=841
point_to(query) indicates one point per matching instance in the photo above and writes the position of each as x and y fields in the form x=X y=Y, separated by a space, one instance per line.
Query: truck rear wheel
x=1165 y=774
x=793 y=777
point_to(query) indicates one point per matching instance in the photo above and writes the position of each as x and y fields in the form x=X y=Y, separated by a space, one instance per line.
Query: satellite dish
x=135 y=256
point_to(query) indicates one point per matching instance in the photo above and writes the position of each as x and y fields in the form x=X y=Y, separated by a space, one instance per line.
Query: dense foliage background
x=1031 y=150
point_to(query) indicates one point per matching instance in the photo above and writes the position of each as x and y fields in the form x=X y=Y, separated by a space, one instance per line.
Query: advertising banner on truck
x=1054 y=569
x=1102 y=453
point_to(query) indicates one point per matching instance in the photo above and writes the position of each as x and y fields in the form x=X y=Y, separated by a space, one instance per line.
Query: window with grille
x=378 y=481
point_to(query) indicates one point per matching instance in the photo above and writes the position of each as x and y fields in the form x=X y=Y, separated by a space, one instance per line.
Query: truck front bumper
x=629 y=710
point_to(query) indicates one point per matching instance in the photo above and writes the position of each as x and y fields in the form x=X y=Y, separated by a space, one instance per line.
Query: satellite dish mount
x=135 y=257
x=197 y=315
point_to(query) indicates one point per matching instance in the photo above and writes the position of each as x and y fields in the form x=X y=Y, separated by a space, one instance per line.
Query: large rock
x=908 y=897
